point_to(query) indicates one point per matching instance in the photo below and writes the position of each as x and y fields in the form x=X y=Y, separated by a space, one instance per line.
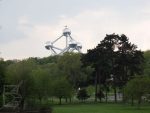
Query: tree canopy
x=116 y=59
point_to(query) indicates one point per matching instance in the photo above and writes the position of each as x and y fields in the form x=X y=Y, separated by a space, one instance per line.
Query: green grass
x=100 y=108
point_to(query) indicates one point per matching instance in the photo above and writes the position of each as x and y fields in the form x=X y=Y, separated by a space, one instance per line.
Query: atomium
x=70 y=44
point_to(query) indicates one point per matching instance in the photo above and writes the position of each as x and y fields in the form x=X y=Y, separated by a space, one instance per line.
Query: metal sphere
x=66 y=32
x=48 y=45
x=79 y=45
x=72 y=44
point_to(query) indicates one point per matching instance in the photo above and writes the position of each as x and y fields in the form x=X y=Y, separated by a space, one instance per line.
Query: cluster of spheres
x=71 y=44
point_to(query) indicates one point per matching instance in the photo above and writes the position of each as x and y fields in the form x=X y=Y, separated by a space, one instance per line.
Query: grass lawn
x=100 y=108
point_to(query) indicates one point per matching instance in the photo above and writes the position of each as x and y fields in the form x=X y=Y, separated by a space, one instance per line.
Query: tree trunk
x=40 y=99
x=60 y=100
x=106 y=97
x=52 y=100
x=115 y=94
x=21 y=107
x=132 y=101
x=66 y=100
x=100 y=99
x=139 y=102
x=123 y=96
x=100 y=95
x=100 y=87
x=70 y=99
x=96 y=87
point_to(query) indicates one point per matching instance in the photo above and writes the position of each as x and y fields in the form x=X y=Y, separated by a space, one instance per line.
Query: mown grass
x=100 y=108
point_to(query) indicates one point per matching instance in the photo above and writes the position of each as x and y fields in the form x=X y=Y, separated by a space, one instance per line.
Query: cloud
x=88 y=27
x=146 y=9
x=140 y=34
x=24 y=25
x=91 y=26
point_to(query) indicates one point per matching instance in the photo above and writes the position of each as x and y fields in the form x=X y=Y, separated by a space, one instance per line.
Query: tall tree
x=21 y=72
x=101 y=59
x=114 y=58
x=62 y=89
x=42 y=80
x=69 y=66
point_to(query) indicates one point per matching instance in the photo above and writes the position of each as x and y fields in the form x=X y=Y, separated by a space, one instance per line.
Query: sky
x=25 y=25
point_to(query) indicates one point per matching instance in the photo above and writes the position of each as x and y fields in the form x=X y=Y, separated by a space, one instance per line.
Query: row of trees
x=110 y=65
x=115 y=61
x=54 y=76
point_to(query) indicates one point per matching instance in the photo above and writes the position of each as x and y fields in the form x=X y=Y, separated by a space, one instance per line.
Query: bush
x=45 y=110
x=82 y=94
x=137 y=88
x=100 y=95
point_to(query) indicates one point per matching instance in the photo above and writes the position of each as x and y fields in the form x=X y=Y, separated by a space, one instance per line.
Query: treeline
x=117 y=61
x=45 y=78
x=114 y=63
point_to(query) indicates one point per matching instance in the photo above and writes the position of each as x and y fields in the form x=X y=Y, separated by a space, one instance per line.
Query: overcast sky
x=25 y=25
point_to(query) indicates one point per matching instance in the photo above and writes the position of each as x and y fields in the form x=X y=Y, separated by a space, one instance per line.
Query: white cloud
x=146 y=9
x=23 y=20
x=88 y=27
x=140 y=34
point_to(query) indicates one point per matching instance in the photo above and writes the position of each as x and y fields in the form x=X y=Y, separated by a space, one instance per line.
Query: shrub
x=82 y=94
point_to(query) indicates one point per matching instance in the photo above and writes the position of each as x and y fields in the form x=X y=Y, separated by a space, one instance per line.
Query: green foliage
x=62 y=89
x=2 y=75
x=45 y=60
x=115 y=56
x=82 y=94
x=42 y=82
x=69 y=66
x=136 y=88
x=90 y=90
x=59 y=76
x=44 y=78
x=147 y=63
x=20 y=72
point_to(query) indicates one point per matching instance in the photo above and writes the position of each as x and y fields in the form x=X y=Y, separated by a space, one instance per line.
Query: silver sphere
x=72 y=44
x=48 y=45
x=79 y=45
x=66 y=32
